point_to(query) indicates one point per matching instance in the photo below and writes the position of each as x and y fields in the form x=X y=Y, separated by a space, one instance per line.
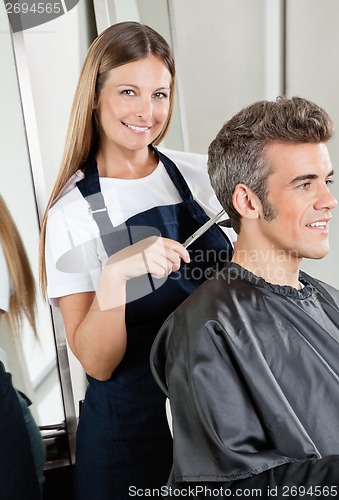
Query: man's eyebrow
x=308 y=176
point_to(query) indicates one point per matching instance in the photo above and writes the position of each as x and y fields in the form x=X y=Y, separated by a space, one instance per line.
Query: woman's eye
x=128 y=92
x=160 y=95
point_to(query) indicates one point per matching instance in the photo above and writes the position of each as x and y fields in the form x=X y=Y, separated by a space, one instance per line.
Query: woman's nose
x=144 y=109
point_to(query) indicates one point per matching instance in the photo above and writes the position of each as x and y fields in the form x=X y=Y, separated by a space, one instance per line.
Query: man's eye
x=305 y=185
x=329 y=181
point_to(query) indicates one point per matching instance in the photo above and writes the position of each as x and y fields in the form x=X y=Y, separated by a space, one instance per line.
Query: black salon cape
x=252 y=373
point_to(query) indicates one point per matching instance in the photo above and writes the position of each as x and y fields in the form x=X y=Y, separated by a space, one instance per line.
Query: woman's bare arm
x=95 y=322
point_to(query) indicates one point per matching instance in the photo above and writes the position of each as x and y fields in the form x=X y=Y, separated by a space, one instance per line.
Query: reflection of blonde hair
x=119 y=44
x=22 y=299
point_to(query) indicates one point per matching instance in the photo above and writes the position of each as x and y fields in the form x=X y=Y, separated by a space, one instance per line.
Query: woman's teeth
x=137 y=129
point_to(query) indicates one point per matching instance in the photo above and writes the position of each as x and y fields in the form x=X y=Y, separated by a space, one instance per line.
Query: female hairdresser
x=22 y=450
x=115 y=264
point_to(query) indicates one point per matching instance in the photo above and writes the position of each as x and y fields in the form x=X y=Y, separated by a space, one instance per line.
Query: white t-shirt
x=74 y=251
x=5 y=285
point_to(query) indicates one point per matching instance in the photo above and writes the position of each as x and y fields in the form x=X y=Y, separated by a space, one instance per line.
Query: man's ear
x=246 y=202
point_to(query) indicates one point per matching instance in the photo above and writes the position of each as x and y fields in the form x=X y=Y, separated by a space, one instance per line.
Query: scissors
x=205 y=227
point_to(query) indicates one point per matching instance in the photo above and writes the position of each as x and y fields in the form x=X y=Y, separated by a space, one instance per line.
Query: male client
x=250 y=362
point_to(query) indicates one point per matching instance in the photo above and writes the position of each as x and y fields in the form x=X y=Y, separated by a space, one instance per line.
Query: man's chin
x=318 y=254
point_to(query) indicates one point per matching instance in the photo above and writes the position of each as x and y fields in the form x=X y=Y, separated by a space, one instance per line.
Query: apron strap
x=90 y=189
x=175 y=175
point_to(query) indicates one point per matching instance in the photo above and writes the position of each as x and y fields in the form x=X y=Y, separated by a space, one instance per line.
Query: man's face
x=299 y=194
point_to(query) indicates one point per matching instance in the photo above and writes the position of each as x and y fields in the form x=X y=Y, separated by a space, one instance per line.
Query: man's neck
x=273 y=265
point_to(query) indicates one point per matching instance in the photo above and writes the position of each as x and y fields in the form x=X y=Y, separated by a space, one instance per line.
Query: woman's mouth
x=137 y=128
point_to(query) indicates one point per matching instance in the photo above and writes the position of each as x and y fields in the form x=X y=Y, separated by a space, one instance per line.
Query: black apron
x=123 y=439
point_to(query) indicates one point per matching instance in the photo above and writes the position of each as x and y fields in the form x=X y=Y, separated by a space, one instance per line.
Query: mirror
x=33 y=364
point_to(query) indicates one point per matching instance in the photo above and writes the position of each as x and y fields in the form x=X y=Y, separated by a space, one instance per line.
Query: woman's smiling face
x=134 y=103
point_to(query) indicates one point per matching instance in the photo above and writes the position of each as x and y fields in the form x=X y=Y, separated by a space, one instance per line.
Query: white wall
x=222 y=60
x=312 y=71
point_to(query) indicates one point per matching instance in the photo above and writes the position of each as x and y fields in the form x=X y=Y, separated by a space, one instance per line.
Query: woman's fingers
x=165 y=256
x=155 y=255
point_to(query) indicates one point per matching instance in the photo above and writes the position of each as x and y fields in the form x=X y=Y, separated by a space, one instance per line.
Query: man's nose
x=325 y=200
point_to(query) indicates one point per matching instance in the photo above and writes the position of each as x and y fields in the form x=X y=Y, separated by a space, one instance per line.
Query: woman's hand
x=155 y=255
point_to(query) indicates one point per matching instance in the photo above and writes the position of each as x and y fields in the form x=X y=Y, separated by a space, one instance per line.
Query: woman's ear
x=246 y=202
x=95 y=101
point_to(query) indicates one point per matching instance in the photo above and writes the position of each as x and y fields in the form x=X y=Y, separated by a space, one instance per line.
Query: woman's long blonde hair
x=119 y=44
x=23 y=294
